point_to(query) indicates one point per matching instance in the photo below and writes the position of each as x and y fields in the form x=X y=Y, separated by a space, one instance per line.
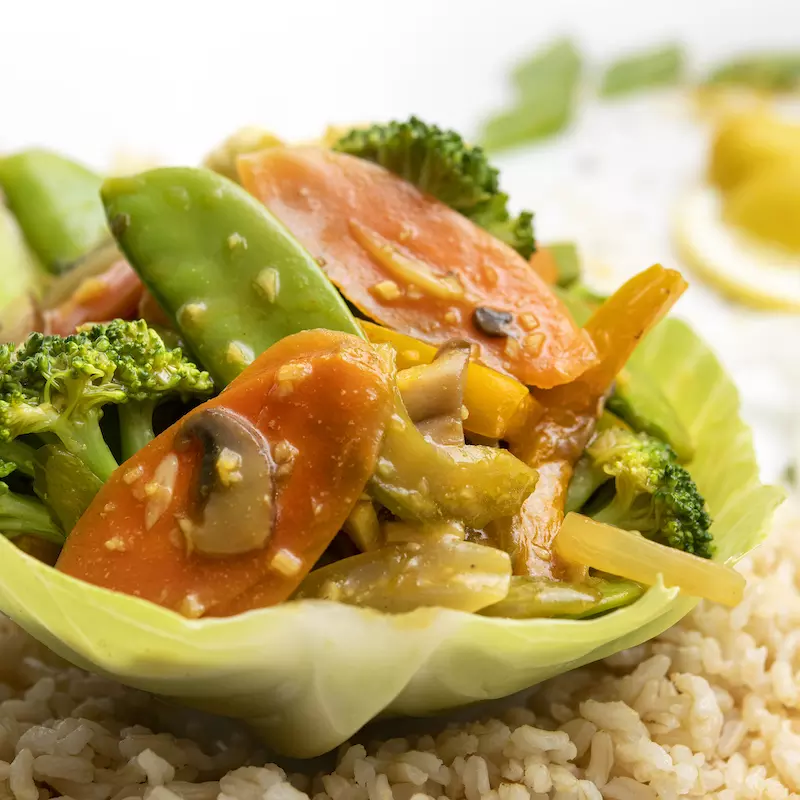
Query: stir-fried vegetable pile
x=341 y=371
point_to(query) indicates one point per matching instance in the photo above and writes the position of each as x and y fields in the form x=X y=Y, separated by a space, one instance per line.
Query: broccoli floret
x=151 y=372
x=652 y=492
x=440 y=163
x=22 y=514
x=54 y=385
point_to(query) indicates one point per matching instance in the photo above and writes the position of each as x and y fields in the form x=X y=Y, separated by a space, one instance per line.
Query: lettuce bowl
x=307 y=675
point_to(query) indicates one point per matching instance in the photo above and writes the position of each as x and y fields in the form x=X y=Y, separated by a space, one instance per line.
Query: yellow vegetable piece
x=495 y=403
x=581 y=540
x=748 y=143
x=767 y=204
x=251 y=139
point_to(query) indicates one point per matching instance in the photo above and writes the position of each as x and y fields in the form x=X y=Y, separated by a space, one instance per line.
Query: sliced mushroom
x=491 y=321
x=234 y=503
x=434 y=393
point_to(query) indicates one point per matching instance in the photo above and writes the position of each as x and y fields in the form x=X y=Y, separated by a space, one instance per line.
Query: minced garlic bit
x=133 y=474
x=289 y=375
x=528 y=321
x=330 y=590
x=239 y=354
x=452 y=317
x=268 y=283
x=191 y=313
x=284 y=454
x=405 y=234
x=387 y=290
x=236 y=241
x=464 y=413
x=413 y=293
x=89 y=290
x=511 y=348
x=533 y=343
x=228 y=467
x=286 y=562
x=191 y=607
x=159 y=490
x=490 y=275
x=116 y=543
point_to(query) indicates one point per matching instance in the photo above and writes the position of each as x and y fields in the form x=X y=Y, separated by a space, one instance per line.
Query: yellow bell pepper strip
x=554 y=443
x=494 y=401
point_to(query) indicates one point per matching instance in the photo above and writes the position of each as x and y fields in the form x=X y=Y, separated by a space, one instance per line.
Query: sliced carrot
x=322 y=401
x=415 y=265
x=112 y=294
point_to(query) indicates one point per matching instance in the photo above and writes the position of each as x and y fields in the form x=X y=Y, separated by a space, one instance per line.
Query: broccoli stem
x=20 y=514
x=83 y=438
x=136 y=426
x=22 y=455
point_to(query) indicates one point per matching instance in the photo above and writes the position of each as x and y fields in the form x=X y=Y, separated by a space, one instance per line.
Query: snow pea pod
x=231 y=276
x=56 y=203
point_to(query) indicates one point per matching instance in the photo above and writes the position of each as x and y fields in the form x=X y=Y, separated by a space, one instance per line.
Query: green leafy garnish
x=772 y=72
x=641 y=71
x=546 y=86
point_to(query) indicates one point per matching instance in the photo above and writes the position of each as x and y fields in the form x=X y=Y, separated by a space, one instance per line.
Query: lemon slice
x=738 y=265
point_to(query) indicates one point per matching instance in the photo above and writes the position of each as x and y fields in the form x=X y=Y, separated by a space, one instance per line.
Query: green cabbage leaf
x=307 y=675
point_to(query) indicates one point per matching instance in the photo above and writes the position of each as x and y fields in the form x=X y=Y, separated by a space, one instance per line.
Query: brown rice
x=709 y=709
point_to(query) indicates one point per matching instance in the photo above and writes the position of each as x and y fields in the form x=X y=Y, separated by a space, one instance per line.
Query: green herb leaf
x=642 y=71
x=546 y=85
x=772 y=72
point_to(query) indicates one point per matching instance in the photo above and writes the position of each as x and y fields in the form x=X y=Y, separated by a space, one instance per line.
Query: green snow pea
x=235 y=281
x=56 y=203
x=232 y=277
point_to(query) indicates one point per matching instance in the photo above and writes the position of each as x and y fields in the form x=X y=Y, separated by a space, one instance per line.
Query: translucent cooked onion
x=627 y=554
x=444 y=571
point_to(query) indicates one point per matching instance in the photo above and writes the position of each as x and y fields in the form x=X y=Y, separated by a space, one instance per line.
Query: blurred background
x=622 y=170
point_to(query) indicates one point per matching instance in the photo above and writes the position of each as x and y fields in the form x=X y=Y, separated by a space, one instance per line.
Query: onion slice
x=627 y=554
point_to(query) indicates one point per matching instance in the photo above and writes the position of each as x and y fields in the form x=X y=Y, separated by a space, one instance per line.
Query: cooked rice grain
x=709 y=710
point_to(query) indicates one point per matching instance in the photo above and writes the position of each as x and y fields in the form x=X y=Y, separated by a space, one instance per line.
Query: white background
x=172 y=78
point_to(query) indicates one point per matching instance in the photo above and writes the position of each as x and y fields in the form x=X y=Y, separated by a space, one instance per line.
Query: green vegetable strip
x=231 y=275
x=547 y=86
x=56 y=203
x=650 y=70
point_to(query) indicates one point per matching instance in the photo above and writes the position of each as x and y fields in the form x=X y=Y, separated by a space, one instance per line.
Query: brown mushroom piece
x=233 y=510
x=433 y=393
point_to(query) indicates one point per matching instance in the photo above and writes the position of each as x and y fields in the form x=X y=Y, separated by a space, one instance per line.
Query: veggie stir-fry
x=341 y=371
